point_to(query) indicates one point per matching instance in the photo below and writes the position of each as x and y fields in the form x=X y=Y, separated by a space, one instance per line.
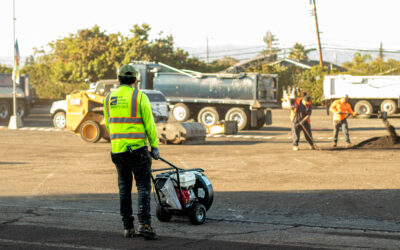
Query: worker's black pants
x=137 y=162
x=296 y=129
x=345 y=129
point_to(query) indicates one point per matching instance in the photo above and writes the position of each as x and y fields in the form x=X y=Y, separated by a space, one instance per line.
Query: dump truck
x=84 y=116
x=24 y=92
x=367 y=94
x=209 y=98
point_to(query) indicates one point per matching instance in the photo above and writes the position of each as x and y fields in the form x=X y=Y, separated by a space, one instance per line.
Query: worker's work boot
x=349 y=145
x=146 y=231
x=312 y=147
x=296 y=148
x=129 y=233
x=334 y=144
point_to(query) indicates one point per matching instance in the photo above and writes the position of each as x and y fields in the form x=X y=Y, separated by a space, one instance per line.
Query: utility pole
x=207 y=50
x=15 y=121
x=270 y=43
x=381 y=51
x=319 y=41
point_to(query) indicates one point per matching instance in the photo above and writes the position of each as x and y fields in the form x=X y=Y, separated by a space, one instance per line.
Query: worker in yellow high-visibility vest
x=129 y=121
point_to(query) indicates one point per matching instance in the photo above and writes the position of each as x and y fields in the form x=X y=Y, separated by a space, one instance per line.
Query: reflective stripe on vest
x=107 y=102
x=128 y=136
x=125 y=120
x=134 y=103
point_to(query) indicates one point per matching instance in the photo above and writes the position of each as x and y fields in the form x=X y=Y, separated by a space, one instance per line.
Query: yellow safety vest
x=124 y=122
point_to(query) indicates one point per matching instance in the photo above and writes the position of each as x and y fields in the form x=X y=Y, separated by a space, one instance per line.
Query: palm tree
x=299 y=52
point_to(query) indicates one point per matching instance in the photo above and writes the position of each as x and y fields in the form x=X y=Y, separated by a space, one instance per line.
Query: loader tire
x=90 y=131
x=162 y=215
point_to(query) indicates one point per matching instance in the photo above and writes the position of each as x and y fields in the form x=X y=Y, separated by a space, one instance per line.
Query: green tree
x=299 y=52
x=365 y=65
x=4 y=69
x=92 y=54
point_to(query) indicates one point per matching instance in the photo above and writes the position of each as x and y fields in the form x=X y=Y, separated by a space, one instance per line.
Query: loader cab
x=103 y=87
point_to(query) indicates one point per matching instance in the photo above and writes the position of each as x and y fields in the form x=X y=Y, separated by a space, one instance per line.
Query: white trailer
x=367 y=94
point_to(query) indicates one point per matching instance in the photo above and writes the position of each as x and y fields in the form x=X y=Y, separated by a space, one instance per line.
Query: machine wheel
x=363 y=108
x=162 y=215
x=59 y=120
x=4 y=111
x=238 y=115
x=197 y=214
x=90 y=131
x=389 y=106
x=180 y=112
x=208 y=116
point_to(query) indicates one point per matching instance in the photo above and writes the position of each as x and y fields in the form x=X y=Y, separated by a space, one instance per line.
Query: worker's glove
x=354 y=114
x=155 y=153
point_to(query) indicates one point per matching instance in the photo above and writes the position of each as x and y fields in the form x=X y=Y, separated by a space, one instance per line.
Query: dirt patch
x=384 y=142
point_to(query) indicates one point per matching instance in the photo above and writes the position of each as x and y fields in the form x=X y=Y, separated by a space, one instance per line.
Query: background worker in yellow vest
x=341 y=109
x=300 y=118
x=129 y=121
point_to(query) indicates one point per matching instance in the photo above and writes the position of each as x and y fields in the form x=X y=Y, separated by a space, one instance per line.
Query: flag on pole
x=15 y=75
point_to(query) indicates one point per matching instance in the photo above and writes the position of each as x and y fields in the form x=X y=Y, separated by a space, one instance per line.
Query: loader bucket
x=181 y=133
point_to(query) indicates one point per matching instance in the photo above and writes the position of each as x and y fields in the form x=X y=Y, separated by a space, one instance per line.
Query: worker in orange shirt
x=341 y=110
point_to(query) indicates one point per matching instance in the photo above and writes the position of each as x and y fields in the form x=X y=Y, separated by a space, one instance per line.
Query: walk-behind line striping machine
x=182 y=192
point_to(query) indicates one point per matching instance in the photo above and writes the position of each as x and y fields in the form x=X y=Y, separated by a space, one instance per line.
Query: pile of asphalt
x=392 y=141
x=384 y=142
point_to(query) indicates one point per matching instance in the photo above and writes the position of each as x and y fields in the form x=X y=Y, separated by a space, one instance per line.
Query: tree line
x=92 y=54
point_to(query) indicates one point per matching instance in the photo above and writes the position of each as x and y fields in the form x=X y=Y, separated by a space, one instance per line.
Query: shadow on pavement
x=37 y=237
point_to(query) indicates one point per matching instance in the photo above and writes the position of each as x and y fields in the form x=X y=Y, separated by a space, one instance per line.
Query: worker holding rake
x=300 y=118
x=341 y=110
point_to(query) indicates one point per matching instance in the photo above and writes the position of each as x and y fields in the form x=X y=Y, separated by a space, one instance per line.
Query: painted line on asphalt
x=270 y=137
x=55 y=245
x=44 y=129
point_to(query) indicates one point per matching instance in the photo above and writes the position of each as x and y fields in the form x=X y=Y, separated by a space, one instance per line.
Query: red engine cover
x=185 y=194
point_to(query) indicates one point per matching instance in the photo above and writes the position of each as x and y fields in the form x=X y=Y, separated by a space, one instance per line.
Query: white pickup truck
x=158 y=102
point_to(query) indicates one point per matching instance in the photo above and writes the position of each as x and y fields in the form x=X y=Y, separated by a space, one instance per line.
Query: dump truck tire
x=59 y=120
x=363 y=108
x=238 y=115
x=389 y=106
x=90 y=131
x=4 y=111
x=180 y=112
x=21 y=109
x=208 y=116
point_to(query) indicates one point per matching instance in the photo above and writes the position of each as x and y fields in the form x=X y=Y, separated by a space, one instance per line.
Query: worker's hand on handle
x=155 y=153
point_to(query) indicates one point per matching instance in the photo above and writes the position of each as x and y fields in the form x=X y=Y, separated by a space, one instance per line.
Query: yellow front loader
x=85 y=116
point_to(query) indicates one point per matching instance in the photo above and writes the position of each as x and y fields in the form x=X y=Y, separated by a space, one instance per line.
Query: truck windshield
x=155 y=97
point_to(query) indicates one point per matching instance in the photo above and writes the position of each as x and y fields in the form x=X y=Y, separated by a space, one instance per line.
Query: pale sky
x=344 y=23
